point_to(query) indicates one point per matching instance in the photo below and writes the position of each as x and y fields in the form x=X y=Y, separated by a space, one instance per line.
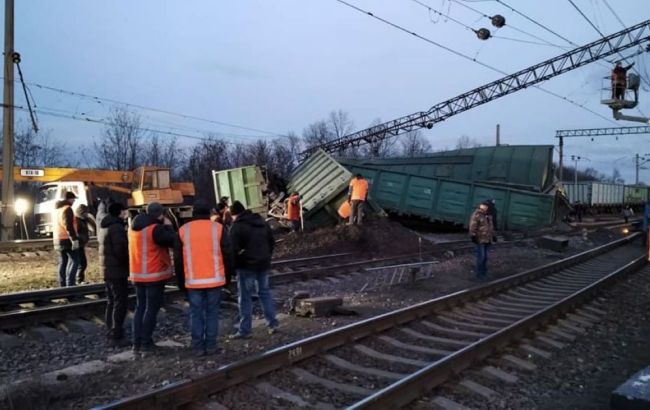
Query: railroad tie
x=446 y=404
x=344 y=364
x=273 y=391
x=413 y=348
x=532 y=350
x=476 y=388
x=389 y=357
x=515 y=362
x=307 y=377
x=557 y=332
x=497 y=374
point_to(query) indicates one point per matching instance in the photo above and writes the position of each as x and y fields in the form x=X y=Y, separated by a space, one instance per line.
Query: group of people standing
x=206 y=256
x=70 y=236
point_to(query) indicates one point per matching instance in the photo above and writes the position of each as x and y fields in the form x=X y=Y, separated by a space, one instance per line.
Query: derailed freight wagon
x=323 y=186
x=527 y=167
x=448 y=200
x=245 y=184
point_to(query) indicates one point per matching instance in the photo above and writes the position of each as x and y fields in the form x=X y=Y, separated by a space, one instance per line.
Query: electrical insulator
x=498 y=21
x=483 y=33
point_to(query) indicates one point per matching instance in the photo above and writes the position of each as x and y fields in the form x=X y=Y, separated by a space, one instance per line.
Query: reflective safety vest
x=148 y=261
x=293 y=210
x=60 y=225
x=202 y=258
x=359 y=188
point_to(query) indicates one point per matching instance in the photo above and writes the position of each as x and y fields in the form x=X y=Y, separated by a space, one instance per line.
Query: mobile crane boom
x=606 y=46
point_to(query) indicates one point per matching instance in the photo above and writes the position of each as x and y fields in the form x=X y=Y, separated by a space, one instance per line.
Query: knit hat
x=201 y=208
x=155 y=209
x=70 y=195
x=237 y=208
x=115 y=209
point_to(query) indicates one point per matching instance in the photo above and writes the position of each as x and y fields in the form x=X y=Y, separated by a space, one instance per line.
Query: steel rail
x=410 y=388
x=186 y=391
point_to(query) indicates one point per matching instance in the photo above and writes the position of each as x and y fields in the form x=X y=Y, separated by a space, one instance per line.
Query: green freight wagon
x=636 y=194
x=449 y=200
x=245 y=184
x=527 y=167
x=323 y=186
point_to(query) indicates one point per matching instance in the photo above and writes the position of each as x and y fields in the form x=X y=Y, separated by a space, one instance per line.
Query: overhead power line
x=614 y=13
x=536 y=23
x=466 y=57
x=509 y=25
x=586 y=18
x=530 y=76
x=158 y=110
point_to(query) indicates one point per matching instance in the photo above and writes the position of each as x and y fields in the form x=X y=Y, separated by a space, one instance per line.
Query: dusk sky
x=277 y=66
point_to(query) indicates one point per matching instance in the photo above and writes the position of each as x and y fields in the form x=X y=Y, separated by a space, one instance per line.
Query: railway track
x=390 y=360
x=23 y=309
x=33 y=245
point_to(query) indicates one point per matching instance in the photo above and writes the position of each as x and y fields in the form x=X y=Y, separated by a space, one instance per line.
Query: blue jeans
x=149 y=299
x=481 y=260
x=204 y=315
x=246 y=282
x=68 y=265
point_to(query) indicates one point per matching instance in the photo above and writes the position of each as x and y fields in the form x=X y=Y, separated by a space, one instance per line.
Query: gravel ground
x=174 y=364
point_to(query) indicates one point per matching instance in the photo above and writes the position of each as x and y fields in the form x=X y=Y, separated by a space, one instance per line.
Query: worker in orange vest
x=150 y=268
x=357 y=196
x=66 y=240
x=203 y=260
x=293 y=211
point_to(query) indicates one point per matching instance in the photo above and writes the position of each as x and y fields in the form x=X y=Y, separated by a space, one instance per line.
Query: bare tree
x=467 y=142
x=381 y=147
x=340 y=124
x=121 y=143
x=166 y=154
x=413 y=144
x=317 y=133
x=206 y=156
x=32 y=149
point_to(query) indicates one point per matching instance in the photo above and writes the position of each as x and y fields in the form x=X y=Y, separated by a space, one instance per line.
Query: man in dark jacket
x=202 y=261
x=114 y=267
x=65 y=240
x=85 y=224
x=252 y=242
x=150 y=267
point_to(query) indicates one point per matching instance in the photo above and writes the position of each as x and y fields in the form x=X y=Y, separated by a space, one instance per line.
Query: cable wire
x=466 y=57
x=586 y=18
x=510 y=26
x=536 y=23
x=32 y=114
x=143 y=107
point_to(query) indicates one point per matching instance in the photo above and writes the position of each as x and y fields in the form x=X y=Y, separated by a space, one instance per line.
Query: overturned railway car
x=525 y=167
x=439 y=199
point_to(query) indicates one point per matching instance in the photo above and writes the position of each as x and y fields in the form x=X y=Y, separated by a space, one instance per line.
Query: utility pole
x=561 y=157
x=575 y=159
x=636 y=167
x=8 y=213
x=498 y=135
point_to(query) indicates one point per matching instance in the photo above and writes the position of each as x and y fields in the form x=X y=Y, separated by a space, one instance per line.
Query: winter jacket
x=252 y=242
x=68 y=215
x=226 y=254
x=163 y=235
x=113 y=248
x=481 y=226
x=85 y=224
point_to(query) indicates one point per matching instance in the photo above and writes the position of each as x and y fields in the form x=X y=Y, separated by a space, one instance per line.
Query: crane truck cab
x=45 y=206
x=136 y=189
